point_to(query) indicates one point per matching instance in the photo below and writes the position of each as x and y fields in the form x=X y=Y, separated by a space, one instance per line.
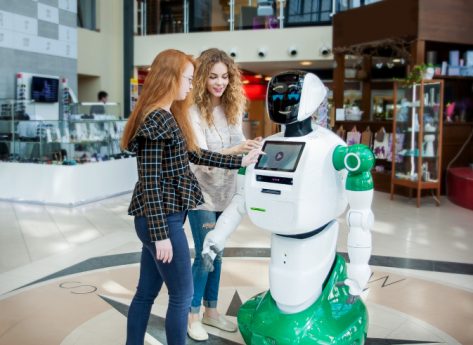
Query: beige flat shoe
x=197 y=332
x=220 y=323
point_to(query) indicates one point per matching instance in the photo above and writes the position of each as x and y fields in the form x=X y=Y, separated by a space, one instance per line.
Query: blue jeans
x=206 y=284
x=176 y=275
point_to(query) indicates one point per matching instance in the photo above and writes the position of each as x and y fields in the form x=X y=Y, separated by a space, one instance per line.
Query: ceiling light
x=306 y=63
x=258 y=76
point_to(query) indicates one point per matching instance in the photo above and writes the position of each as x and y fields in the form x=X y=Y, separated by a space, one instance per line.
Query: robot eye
x=276 y=97
x=294 y=96
x=292 y=87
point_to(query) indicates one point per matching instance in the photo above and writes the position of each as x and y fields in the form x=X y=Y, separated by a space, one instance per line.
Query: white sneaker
x=196 y=331
x=222 y=323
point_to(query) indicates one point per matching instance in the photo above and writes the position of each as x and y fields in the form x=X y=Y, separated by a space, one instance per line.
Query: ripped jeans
x=206 y=284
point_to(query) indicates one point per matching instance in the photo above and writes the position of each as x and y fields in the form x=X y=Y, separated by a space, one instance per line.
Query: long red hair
x=160 y=88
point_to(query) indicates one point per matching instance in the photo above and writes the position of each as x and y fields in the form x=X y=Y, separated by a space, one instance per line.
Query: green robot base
x=334 y=318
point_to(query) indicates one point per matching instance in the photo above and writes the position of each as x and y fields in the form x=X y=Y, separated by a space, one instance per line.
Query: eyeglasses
x=189 y=79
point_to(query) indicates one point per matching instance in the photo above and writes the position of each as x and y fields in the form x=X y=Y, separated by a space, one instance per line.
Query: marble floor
x=67 y=275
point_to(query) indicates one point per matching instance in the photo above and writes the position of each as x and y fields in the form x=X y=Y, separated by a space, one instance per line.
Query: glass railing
x=182 y=16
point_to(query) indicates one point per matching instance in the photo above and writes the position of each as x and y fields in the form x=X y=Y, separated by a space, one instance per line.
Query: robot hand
x=227 y=223
x=358 y=276
x=353 y=287
x=211 y=249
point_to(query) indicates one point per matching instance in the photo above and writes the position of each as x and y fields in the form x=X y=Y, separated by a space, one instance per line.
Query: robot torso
x=294 y=188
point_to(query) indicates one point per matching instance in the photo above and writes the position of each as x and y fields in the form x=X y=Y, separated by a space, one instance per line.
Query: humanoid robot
x=296 y=190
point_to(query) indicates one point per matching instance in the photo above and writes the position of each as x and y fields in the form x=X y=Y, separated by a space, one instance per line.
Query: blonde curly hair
x=233 y=99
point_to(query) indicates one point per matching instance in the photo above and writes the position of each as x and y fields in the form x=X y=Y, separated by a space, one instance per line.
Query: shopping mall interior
x=399 y=75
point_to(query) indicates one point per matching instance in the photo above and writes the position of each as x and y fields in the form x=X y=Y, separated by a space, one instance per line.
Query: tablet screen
x=280 y=156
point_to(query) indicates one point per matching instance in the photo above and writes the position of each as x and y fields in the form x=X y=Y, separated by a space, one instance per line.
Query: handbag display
x=381 y=144
x=353 y=137
x=367 y=137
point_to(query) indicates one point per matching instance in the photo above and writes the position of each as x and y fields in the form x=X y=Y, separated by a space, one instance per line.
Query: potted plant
x=419 y=73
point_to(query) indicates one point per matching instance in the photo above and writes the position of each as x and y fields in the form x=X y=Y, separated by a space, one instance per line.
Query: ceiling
x=271 y=68
x=274 y=67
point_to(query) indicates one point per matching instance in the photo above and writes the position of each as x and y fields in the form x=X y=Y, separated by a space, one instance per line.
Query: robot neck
x=298 y=129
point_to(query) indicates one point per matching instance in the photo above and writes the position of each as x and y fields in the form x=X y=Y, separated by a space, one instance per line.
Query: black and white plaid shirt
x=165 y=182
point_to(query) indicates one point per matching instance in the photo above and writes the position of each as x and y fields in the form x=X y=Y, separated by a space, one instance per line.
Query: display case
x=96 y=110
x=12 y=111
x=417 y=137
x=80 y=138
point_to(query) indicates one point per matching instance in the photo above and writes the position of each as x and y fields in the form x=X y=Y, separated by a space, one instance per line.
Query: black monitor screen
x=44 y=89
x=280 y=156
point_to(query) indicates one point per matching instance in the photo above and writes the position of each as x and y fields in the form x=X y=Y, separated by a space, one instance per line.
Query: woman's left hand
x=251 y=157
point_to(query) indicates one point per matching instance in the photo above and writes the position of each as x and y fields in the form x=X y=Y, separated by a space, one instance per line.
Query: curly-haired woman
x=216 y=116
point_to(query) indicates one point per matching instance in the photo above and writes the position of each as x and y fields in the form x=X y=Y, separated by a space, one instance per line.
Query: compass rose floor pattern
x=68 y=275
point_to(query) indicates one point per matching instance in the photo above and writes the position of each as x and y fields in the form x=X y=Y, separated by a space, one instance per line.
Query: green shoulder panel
x=358 y=160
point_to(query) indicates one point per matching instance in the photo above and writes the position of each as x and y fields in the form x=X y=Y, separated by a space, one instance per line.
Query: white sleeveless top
x=218 y=185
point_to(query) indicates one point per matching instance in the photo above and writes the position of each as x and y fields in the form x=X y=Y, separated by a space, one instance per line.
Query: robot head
x=294 y=96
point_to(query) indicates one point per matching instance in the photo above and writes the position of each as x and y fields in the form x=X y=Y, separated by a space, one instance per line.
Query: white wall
x=100 y=54
x=307 y=40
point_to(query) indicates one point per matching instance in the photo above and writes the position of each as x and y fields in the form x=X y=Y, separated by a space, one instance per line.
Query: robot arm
x=358 y=160
x=226 y=224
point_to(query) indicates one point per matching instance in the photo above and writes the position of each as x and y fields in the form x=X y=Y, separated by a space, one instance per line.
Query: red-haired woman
x=160 y=133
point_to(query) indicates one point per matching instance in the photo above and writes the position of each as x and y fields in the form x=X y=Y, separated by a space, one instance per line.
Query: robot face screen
x=284 y=94
x=280 y=156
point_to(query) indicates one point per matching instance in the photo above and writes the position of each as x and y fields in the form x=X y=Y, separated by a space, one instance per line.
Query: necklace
x=218 y=133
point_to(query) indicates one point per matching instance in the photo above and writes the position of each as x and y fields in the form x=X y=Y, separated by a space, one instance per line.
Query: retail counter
x=66 y=185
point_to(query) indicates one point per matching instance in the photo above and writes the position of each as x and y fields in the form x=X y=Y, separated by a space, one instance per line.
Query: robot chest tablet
x=288 y=183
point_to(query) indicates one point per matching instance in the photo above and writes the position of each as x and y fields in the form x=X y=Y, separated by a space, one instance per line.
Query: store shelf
x=453 y=77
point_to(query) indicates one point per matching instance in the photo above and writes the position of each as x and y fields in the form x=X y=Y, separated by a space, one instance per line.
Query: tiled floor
x=421 y=289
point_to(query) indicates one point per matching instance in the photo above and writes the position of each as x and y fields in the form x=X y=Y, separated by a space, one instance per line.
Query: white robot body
x=296 y=202
x=299 y=267
x=296 y=191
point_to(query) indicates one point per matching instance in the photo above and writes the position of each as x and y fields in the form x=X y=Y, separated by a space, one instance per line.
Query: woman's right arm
x=244 y=147
x=202 y=172
x=199 y=132
x=151 y=162
x=150 y=168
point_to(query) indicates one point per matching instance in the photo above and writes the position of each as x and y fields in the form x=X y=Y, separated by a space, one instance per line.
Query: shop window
x=160 y=17
x=308 y=12
x=209 y=15
x=87 y=14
